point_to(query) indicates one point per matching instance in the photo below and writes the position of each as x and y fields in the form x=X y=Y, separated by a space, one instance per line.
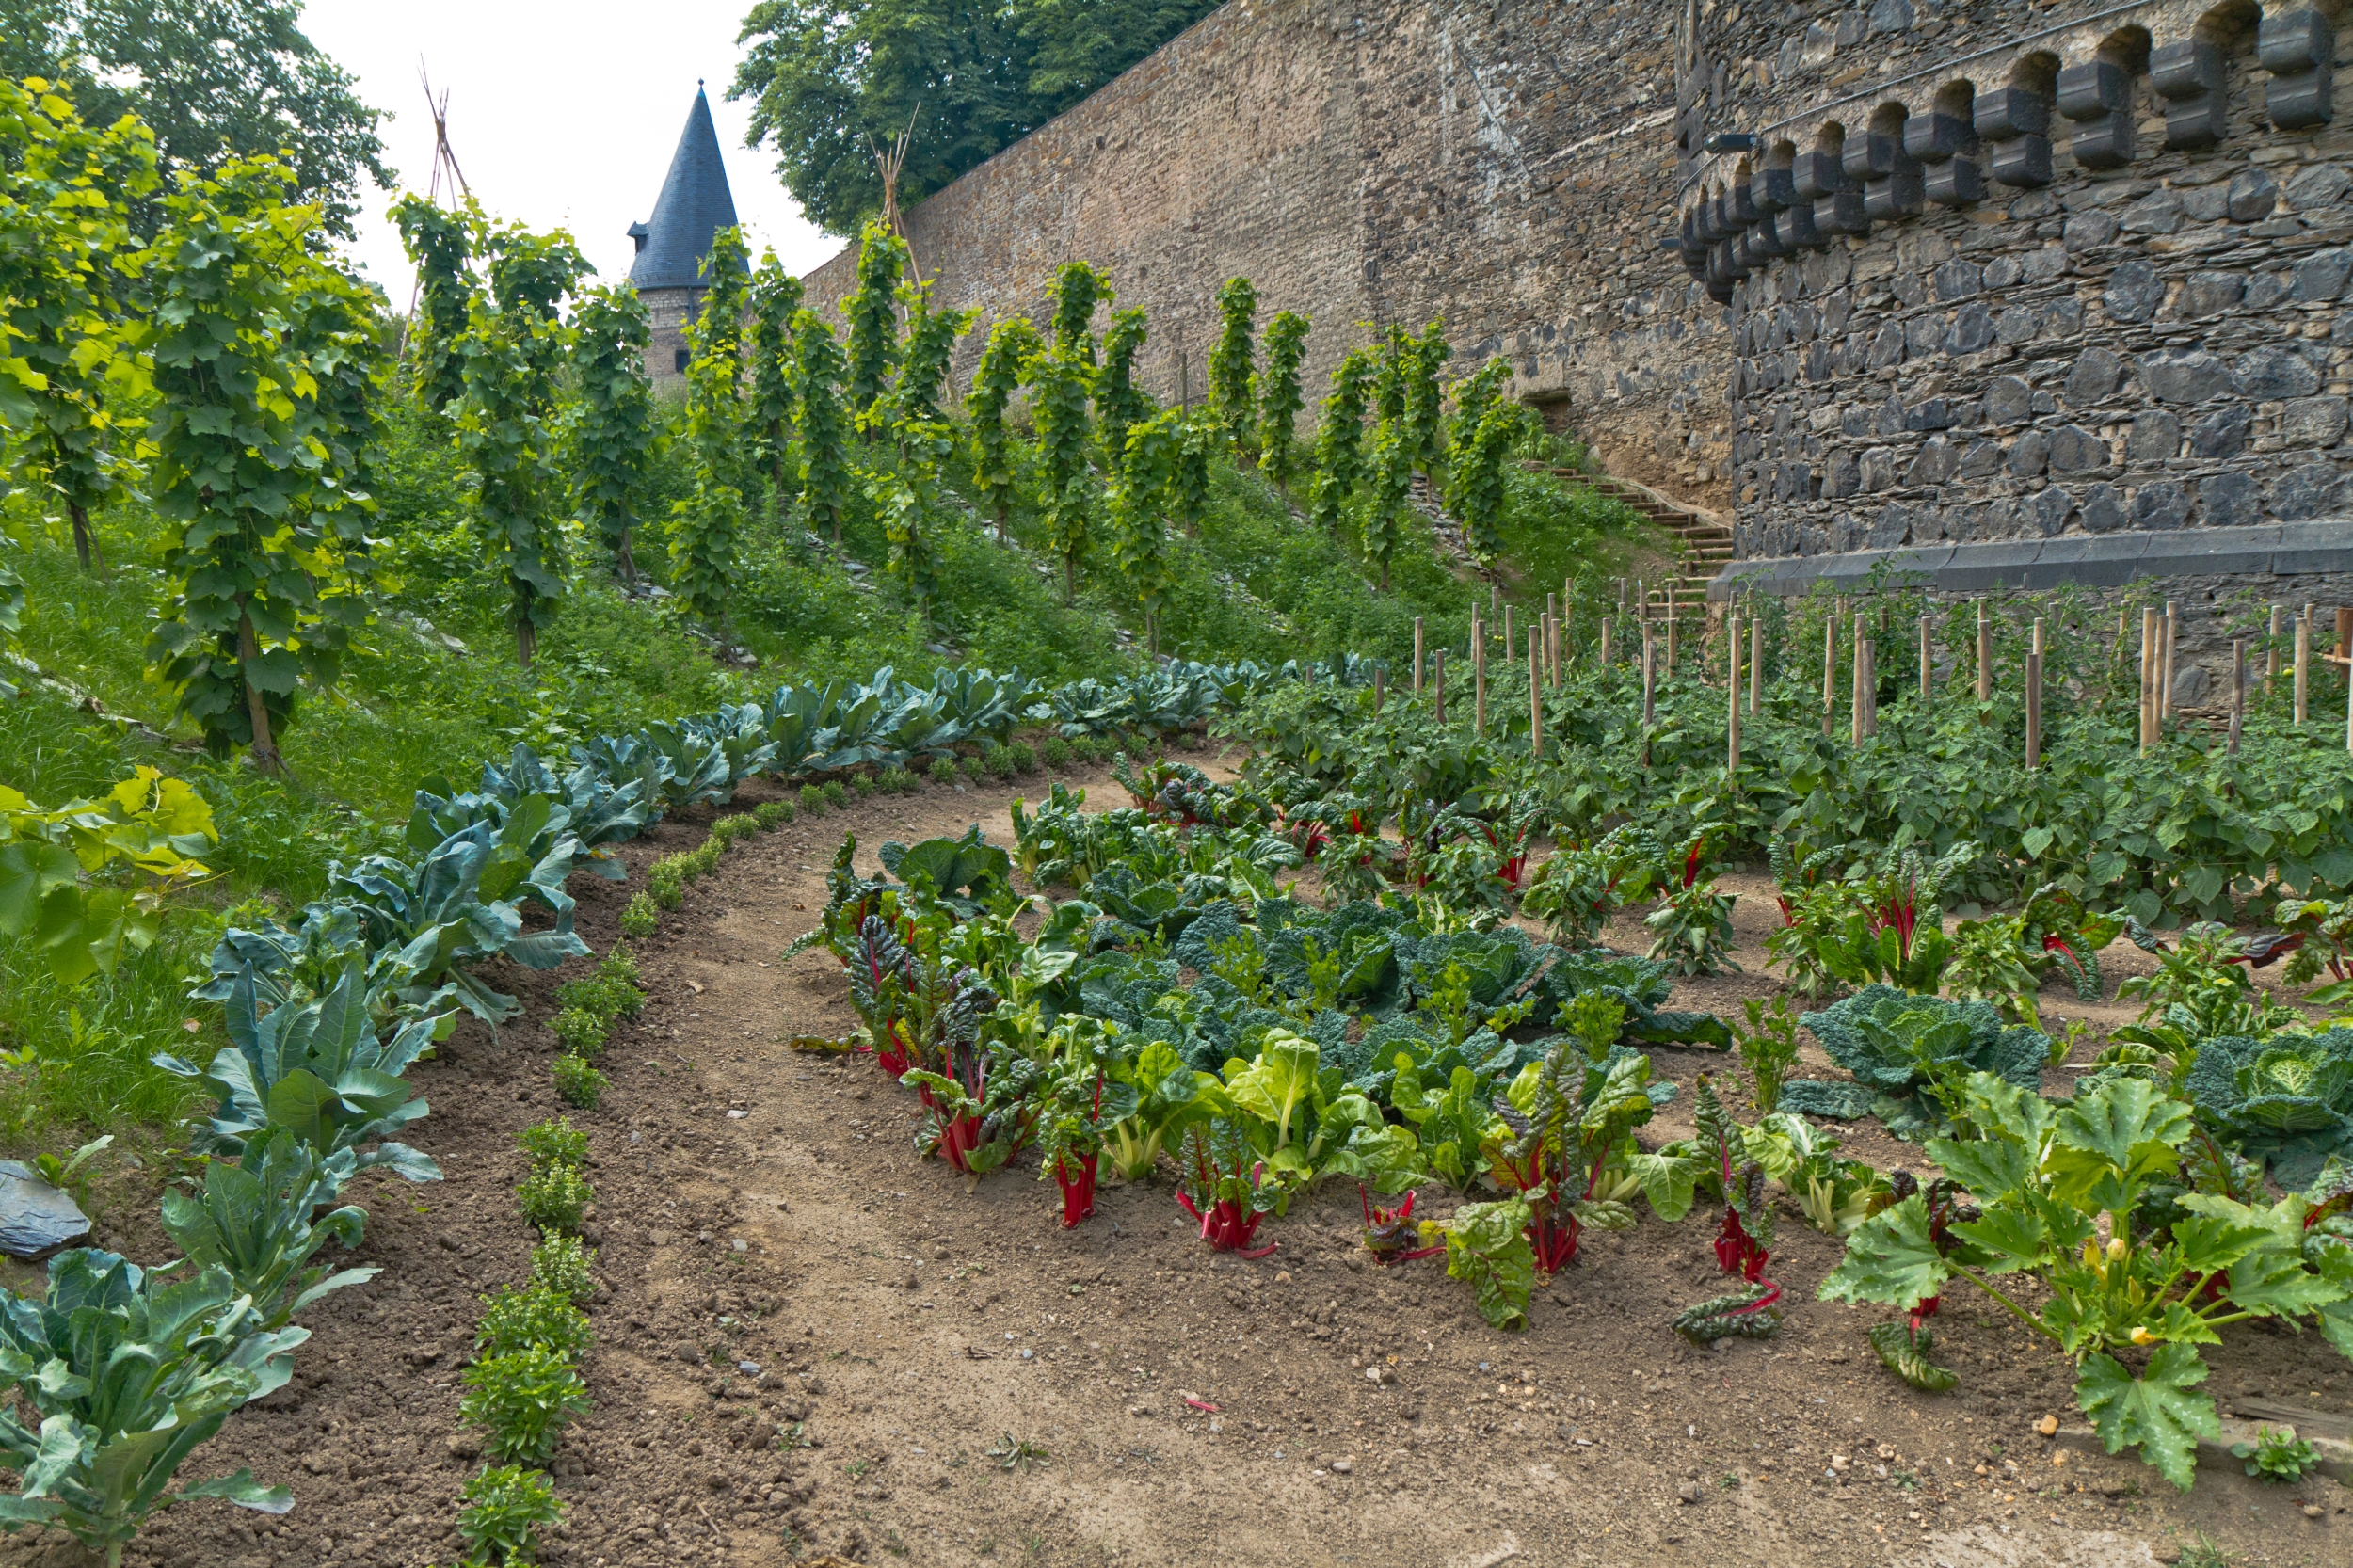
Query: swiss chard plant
x=1743 y=1233
x=2056 y=1190
x=1223 y=1183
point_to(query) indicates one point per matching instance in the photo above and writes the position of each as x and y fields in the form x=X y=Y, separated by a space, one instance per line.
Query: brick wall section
x=1506 y=168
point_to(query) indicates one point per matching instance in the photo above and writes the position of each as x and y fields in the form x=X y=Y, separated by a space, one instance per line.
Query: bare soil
x=961 y=1382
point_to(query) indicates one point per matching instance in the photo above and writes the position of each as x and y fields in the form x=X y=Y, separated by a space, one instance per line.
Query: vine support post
x=1985 y=653
x=1671 y=628
x=1535 y=697
x=1830 y=671
x=1552 y=618
x=1757 y=660
x=2034 y=700
x=1507 y=643
x=1928 y=662
x=1437 y=684
x=1650 y=689
x=2303 y=663
x=1607 y=628
x=2271 y=648
x=1479 y=677
x=2239 y=694
x=2148 y=675
x=1418 y=656
x=2165 y=672
x=1854 y=723
x=1377 y=692
x=1731 y=690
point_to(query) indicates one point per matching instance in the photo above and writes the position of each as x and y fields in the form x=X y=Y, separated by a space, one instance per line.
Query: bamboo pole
x=1757 y=660
x=2303 y=663
x=1479 y=677
x=1507 y=643
x=1855 y=659
x=2034 y=700
x=2165 y=669
x=2238 y=690
x=1418 y=656
x=2147 y=676
x=1535 y=696
x=1985 y=653
x=1732 y=689
x=1829 y=670
x=1649 y=682
x=1671 y=648
x=1608 y=625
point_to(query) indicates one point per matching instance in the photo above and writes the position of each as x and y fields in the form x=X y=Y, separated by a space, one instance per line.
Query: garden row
x=1187 y=1011
x=130 y=1369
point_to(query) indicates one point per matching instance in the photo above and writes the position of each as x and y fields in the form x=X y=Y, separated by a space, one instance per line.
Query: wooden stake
x=1670 y=631
x=1756 y=660
x=1437 y=684
x=2165 y=670
x=1650 y=681
x=1985 y=654
x=2271 y=649
x=1829 y=670
x=1608 y=625
x=1377 y=674
x=2147 y=676
x=1855 y=720
x=1418 y=656
x=1928 y=665
x=1535 y=697
x=1507 y=645
x=2034 y=700
x=1731 y=690
x=2303 y=663
x=2238 y=690
x=1479 y=677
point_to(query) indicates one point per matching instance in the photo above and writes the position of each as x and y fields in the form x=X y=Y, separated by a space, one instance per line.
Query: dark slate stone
x=35 y=1217
x=2104 y=509
x=2075 y=450
x=2087 y=232
x=1889 y=528
x=2312 y=547
x=2096 y=374
x=2029 y=454
x=1887 y=348
x=1878 y=468
x=2063 y=319
x=1959 y=280
x=1834 y=312
x=2317 y=185
x=2162 y=505
x=2222 y=433
x=2229 y=499
x=2309 y=492
x=1934 y=414
x=2007 y=401
x=2048 y=508
x=2015 y=325
x=1982 y=460
x=2178 y=375
x=2134 y=293
x=2314 y=421
x=2206 y=204
x=2265 y=290
x=1934 y=464
x=2156 y=437
x=2272 y=373
x=2212 y=293
x=2046 y=265
x=1972 y=330
x=2157 y=212
x=1855 y=419
x=1890 y=16
x=1924 y=335
x=2001 y=272
x=2321 y=276
x=1889 y=420
x=2252 y=196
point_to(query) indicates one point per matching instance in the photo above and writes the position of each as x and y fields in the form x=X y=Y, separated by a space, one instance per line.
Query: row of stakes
x=1548 y=662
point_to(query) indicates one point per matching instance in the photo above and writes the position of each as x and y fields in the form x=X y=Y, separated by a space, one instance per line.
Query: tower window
x=679 y=363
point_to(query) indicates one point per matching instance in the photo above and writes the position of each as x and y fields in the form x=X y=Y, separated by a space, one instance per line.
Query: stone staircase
x=1706 y=545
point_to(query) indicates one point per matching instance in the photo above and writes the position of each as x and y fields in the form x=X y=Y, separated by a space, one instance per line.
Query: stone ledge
x=2091 y=560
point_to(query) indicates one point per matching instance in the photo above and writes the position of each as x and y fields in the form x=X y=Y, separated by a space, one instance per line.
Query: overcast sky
x=562 y=116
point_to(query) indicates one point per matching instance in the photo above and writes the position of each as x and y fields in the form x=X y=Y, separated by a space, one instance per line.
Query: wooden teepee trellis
x=447 y=179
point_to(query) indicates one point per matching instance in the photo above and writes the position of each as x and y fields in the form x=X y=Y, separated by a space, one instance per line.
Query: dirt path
x=776 y=1258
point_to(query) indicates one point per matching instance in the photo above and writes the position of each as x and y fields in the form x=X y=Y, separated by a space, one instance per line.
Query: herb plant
x=505 y=1508
x=523 y=1398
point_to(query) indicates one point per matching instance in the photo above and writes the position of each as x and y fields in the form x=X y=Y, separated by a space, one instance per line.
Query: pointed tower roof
x=694 y=205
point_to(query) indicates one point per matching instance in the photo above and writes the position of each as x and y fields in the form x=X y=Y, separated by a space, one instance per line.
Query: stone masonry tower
x=671 y=246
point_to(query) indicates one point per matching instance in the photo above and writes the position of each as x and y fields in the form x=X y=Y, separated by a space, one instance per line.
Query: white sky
x=562 y=116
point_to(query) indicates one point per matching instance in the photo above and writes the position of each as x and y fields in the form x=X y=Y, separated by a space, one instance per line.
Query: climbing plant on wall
x=816 y=388
x=1275 y=388
x=1119 y=403
x=776 y=294
x=1340 y=439
x=704 y=525
x=995 y=461
x=612 y=430
x=872 y=310
x=439 y=243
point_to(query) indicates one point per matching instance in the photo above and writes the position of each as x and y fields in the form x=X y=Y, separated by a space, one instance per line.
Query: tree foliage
x=1276 y=389
x=216 y=80
x=931 y=342
x=260 y=348
x=1229 y=363
x=1480 y=442
x=1119 y=403
x=612 y=426
x=439 y=243
x=1078 y=289
x=828 y=83
x=68 y=347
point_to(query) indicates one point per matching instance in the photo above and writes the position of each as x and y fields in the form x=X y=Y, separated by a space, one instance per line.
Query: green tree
x=775 y=295
x=931 y=342
x=704 y=525
x=1139 y=548
x=439 y=243
x=1480 y=439
x=995 y=465
x=1119 y=403
x=971 y=78
x=1276 y=389
x=1229 y=363
x=825 y=468
x=872 y=310
x=216 y=80
x=513 y=350
x=613 y=428
x=1421 y=360
x=259 y=348
x=1340 y=441
x=69 y=339
x=1078 y=289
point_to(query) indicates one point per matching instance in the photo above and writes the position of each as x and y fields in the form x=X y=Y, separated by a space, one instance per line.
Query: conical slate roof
x=692 y=206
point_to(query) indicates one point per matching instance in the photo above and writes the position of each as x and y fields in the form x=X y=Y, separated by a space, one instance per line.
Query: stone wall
x=1508 y=168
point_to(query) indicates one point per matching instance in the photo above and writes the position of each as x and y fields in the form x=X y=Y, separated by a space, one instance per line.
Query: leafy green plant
x=505 y=1508
x=1743 y=1233
x=555 y=1142
x=1912 y=1052
x=2277 y=1456
x=577 y=1083
x=995 y=467
x=816 y=388
x=523 y=1398
x=641 y=916
x=2286 y=1100
x=1340 y=439
x=554 y=1197
x=256 y=1219
x=128 y=1376
x=517 y=1318
x=1769 y=1048
x=1276 y=389
x=1692 y=925
x=148 y=825
x=2056 y=1190
x=562 y=1264
x=1230 y=376
x=1563 y=1139
x=1488 y=1247
x=612 y=426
